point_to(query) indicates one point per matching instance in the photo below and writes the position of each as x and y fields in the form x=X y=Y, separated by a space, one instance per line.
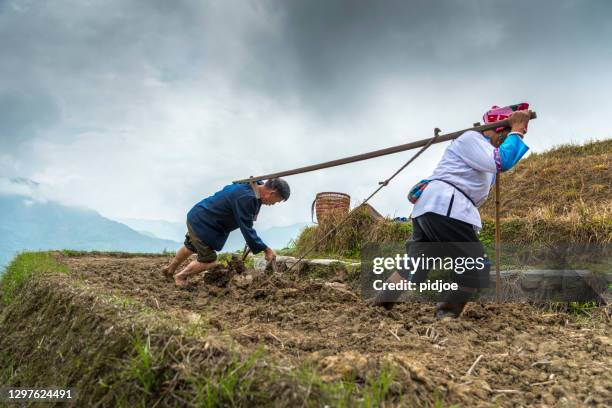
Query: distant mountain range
x=26 y=224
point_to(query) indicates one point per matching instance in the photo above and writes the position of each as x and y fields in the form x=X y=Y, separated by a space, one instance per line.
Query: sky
x=139 y=109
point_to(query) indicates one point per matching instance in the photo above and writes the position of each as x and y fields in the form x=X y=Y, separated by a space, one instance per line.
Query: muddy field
x=509 y=355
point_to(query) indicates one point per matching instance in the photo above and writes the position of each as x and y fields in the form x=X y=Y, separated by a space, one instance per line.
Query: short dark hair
x=280 y=186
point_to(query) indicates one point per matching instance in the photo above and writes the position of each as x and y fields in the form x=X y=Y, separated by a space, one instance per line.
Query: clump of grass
x=140 y=366
x=439 y=402
x=225 y=259
x=374 y=390
x=377 y=387
x=22 y=268
x=339 y=393
x=582 y=308
x=8 y=374
x=231 y=385
x=346 y=241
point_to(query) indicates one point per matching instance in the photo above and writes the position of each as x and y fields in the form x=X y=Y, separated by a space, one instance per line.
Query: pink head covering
x=496 y=113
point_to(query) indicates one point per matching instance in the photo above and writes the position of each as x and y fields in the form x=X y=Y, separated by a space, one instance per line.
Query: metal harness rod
x=382 y=184
x=381 y=152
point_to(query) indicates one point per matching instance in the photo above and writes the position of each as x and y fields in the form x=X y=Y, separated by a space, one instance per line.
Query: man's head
x=273 y=191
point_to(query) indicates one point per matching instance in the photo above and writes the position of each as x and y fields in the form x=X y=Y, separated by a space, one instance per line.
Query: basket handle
x=312 y=209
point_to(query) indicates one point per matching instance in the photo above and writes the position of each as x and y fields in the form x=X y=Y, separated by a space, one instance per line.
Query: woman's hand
x=518 y=121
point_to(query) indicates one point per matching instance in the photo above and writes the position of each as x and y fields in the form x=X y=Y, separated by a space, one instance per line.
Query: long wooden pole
x=497 y=237
x=381 y=152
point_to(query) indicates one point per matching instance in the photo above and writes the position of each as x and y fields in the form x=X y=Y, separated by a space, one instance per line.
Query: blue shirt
x=511 y=151
x=235 y=206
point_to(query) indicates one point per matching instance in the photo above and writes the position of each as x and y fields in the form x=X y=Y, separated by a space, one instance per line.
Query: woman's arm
x=510 y=152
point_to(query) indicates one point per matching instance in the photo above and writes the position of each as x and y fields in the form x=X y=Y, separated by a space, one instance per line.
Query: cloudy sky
x=141 y=108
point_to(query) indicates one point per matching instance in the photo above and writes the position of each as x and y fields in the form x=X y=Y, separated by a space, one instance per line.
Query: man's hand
x=270 y=254
x=518 y=121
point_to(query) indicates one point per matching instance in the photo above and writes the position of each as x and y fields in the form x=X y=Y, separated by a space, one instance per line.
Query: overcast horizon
x=139 y=109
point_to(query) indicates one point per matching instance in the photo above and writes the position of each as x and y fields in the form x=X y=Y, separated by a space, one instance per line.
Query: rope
x=382 y=184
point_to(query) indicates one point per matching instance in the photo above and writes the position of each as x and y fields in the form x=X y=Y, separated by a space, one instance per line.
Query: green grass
x=377 y=387
x=7 y=374
x=349 y=391
x=140 y=367
x=22 y=268
x=440 y=403
x=231 y=386
x=582 y=308
x=340 y=393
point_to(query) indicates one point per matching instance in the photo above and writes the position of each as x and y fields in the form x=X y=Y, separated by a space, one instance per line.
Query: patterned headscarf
x=496 y=113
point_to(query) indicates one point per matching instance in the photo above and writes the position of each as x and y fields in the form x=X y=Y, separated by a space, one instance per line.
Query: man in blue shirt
x=211 y=220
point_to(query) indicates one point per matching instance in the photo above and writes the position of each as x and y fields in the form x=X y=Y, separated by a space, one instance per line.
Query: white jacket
x=469 y=163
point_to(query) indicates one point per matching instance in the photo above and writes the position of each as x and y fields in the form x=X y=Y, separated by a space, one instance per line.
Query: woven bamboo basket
x=330 y=201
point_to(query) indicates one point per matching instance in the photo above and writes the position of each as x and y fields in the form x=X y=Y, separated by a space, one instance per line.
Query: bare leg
x=194 y=267
x=182 y=254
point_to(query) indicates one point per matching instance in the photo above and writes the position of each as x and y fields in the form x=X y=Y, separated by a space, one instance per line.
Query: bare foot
x=181 y=281
x=168 y=272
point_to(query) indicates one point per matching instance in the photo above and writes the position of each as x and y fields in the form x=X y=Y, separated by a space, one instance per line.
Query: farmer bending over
x=446 y=204
x=211 y=220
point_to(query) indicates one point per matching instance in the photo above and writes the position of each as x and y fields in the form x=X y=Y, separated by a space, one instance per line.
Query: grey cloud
x=331 y=55
x=23 y=115
x=138 y=108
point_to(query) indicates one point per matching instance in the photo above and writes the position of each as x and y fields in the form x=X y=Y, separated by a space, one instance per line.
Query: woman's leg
x=461 y=242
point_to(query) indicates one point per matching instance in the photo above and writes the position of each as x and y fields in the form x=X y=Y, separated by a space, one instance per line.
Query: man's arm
x=244 y=209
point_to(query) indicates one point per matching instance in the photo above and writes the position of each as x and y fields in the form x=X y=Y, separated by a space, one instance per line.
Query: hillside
x=564 y=182
x=31 y=225
x=559 y=196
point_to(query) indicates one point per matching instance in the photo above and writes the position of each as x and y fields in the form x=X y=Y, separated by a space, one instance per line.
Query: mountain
x=275 y=237
x=157 y=228
x=26 y=224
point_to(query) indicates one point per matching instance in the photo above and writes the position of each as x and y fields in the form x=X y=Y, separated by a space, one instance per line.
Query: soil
x=509 y=354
